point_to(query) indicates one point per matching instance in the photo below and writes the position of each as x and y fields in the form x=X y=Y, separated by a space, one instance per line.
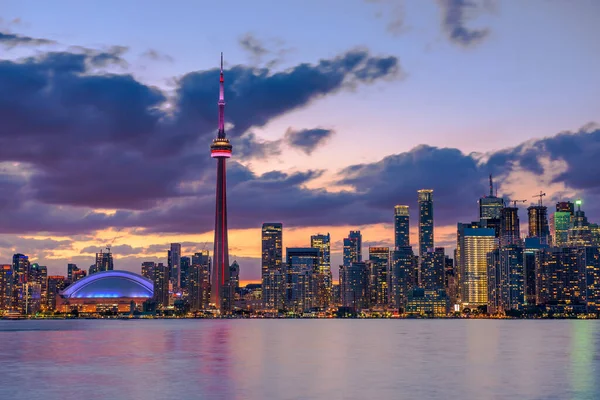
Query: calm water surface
x=299 y=359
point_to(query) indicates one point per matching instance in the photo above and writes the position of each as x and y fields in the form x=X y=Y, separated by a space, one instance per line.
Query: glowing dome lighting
x=110 y=284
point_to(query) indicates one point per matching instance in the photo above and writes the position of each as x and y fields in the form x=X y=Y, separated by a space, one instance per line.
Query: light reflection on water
x=299 y=359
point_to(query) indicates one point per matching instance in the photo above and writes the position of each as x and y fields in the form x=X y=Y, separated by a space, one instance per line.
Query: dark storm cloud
x=103 y=140
x=11 y=40
x=307 y=140
x=455 y=14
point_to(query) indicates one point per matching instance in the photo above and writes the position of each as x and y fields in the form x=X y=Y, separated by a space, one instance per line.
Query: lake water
x=299 y=359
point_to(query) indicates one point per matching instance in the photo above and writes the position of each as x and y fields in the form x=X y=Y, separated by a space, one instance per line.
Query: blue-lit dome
x=110 y=284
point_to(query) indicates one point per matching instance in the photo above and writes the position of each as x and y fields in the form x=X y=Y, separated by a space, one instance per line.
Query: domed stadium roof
x=110 y=284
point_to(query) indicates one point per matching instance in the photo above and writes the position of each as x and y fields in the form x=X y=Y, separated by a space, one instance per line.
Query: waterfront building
x=221 y=294
x=198 y=282
x=532 y=246
x=158 y=274
x=403 y=275
x=56 y=283
x=379 y=258
x=592 y=271
x=184 y=267
x=425 y=197
x=107 y=291
x=474 y=244
x=302 y=264
x=561 y=277
x=323 y=277
x=427 y=303
x=354 y=285
x=506 y=280
x=273 y=274
x=6 y=284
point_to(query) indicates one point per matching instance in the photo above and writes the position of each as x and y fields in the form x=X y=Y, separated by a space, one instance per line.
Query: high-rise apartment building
x=6 y=284
x=490 y=210
x=104 y=262
x=174 y=262
x=403 y=275
x=538 y=223
x=301 y=268
x=561 y=276
x=432 y=271
x=474 y=244
x=198 y=281
x=580 y=233
x=506 y=279
x=273 y=271
x=159 y=274
x=425 y=197
x=354 y=285
x=324 y=280
x=510 y=228
x=56 y=283
x=352 y=248
x=401 y=227
x=184 y=267
x=379 y=257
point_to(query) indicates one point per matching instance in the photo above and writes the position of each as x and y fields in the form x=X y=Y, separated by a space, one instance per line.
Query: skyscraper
x=538 y=222
x=323 y=276
x=352 y=248
x=184 y=264
x=354 y=285
x=490 y=206
x=433 y=269
x=510 y=228
x=198 y=281
x=580 y=233
x=159 y=274
x=506 y=279
x=104 y=262
x=273 y=280
x=220 y=149
x=174 y=263
x=379 y=257
x=401 y=226
x=473 y=245
x=301 y=268
x=425 y=220
x=6 y=284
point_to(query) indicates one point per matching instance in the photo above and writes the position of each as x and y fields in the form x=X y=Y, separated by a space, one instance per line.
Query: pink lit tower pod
x=221 y=296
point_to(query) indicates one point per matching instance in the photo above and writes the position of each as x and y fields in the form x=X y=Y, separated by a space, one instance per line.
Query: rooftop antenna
x=491 y=186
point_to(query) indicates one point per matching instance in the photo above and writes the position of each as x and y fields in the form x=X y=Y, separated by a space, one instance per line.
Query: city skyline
x=302 y=159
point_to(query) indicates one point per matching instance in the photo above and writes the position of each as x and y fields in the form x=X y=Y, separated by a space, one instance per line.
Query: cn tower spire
x=221 y=102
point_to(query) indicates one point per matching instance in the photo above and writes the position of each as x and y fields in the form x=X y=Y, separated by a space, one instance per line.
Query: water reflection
x=291 y=359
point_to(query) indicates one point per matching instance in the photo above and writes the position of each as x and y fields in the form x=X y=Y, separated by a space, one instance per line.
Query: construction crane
x=542 y=194
x=514 y=202
x=108 y=246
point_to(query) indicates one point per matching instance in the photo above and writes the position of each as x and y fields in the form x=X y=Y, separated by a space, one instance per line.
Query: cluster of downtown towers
x=555 y=268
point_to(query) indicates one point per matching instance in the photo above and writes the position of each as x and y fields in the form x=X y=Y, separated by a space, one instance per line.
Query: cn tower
x=221 y=149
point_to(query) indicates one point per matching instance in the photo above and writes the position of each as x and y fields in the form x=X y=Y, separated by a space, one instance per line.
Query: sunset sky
x=337 y=110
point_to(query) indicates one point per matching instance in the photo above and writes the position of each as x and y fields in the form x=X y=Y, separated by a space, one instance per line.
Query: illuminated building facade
x=106 y=290
x=323 y=276
x=174 y=263
x=273 y=274
x=561 y=276
x=6 y=284
x=490 y=210
x=352 y=248
x=592 y=271
x=104 y=262
x=510 y=227
x=401 y=226
x=474 y=245
x=184 y=264
x=379 y=257
x=580 y=233
x=221 y=294
x=433 y=269
x=354 y=285
x=302 y=266
x=506 y=280
x=198 y=282
x=425 y=197
x=56 y=283
x=158 y=274
x=403 y=275
x=430 y=303
x=538 y=223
